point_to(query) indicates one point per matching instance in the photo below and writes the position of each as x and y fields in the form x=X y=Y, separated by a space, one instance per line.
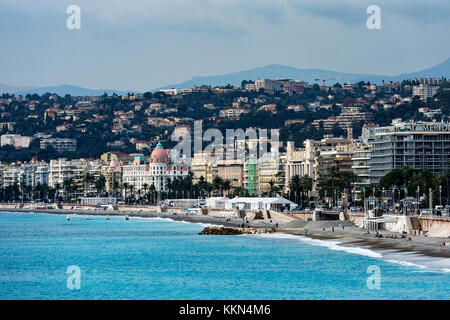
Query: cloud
x=149 y=43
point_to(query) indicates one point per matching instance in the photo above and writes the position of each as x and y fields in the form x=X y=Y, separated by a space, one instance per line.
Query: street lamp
x=393 y=195
x=418 y=192
x=440 y=195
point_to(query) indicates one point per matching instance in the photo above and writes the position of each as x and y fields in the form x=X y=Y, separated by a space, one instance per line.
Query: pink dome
x=159 y=154
x=114 y=165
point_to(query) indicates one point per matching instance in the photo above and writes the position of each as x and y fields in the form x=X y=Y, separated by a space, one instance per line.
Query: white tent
x=257 y=203
x=216 y=202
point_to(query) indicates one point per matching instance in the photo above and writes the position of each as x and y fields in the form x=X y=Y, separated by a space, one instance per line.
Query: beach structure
x=183 y=203
x=216 y=202
x=98 y=200
x=257 y=203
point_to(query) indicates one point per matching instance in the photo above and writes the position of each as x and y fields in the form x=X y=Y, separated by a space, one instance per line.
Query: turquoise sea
x=163 y=259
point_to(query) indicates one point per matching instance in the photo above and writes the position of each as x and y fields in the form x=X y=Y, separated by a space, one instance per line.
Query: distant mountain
x=64 y=89
x=275 y=71
x=9 y=89
x=441 y=70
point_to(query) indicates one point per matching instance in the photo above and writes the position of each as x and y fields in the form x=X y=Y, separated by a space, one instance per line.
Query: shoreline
x=347 y=237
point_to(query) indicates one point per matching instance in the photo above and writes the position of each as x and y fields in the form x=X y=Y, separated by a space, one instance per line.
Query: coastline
x=348 y=237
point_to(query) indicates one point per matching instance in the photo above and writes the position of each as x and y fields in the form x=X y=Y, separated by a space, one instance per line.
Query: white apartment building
x=424 y=91
x=61 y=170
x=15 y=140
x=419 y=145
x=231 y=112
x=60 y=144
x=30 y=174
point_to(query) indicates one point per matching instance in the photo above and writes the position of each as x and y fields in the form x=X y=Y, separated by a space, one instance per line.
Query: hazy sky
x=142 y=45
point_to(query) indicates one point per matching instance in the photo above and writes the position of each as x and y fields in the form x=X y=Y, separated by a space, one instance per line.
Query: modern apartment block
x=361 y=167
x=251 y=180
x=424 y=91
x=420 y=145
x=60 y=144
x=15 y=140
x=27 y=174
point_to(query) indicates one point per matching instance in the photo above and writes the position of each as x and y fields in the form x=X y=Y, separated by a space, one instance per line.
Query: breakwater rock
x=232 y=231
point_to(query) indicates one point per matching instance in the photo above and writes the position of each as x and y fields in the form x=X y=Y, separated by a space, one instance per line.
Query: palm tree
x=169 y=186
x=272 y=187
x=306 y=184
x=125 y=187
x=226 y=186
x=100 y=184
x=68 y=187
x=131 y=187
x=88 y=180
x=188 y=181
x=145 y=186
x=295 y=186
x=116 y=186
x=217 y=184
x=152 y=193
x=57 y=188
x=202 y=184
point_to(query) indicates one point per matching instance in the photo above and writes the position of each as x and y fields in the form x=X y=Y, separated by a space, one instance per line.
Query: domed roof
x=159 y=154
x=114 y=165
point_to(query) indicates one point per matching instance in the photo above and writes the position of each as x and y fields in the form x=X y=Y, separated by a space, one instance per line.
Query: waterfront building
x=232 y=170
x=299 y=161
x=317 y=156
x=271 y=170
x=61 y=170
x=26 y=174
x=40 y=174
x=202 y=166
x=251 y=176
x=361 y=167
x=113 y=176
x=419 y=145
x=157 y=171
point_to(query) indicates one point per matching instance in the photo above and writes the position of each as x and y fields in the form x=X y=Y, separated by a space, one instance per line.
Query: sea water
x=162 y=259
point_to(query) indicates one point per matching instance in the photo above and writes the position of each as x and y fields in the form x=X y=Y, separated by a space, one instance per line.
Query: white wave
x=203 y=224
x=424 y=263
x=406 y=263
x=331 y=244
x=412 y=260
